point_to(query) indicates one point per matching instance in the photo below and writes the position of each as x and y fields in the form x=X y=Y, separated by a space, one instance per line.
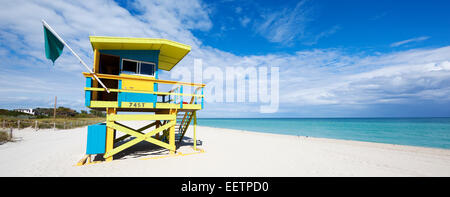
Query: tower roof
x=170 y=54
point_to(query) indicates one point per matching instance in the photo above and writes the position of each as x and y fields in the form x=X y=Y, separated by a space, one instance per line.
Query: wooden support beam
x=96 y=70
x=83 y=160
x=195 y=127
x=158 y=123
x=172 y=139
x=110 y=133
x=173 y=112
x=139 y=130
x=139 y=137
x=123 y=147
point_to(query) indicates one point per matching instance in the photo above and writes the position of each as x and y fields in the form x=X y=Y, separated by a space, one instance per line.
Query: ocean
x=425 y=132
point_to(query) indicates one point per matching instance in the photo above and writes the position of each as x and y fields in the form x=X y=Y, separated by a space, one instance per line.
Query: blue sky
x=357 y=26
x=335 y=58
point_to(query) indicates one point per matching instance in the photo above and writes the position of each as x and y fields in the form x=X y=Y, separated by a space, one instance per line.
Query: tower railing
x=164 y=98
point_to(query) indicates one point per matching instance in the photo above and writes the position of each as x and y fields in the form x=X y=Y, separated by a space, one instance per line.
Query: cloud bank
x=316 y=82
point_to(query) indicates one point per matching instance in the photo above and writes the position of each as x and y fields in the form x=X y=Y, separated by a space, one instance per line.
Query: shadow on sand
x=146 y=149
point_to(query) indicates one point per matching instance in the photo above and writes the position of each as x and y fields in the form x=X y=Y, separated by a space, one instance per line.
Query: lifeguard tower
x=130 y=67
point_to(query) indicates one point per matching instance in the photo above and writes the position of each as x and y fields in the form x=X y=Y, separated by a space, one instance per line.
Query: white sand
x=227 y=153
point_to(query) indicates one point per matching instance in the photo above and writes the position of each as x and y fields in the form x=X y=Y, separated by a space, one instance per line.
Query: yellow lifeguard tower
x=129 y=68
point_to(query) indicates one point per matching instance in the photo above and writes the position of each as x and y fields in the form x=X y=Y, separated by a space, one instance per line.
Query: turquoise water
x=427 y=132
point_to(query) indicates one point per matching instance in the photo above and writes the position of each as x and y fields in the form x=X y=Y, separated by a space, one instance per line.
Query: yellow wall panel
x=137 y=84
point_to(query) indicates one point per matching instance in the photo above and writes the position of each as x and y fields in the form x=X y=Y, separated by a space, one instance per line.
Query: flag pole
x=73 y=52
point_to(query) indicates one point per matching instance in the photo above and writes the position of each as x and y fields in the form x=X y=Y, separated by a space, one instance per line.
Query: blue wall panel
x=137 y=97
x=96 y=139
x=119 y=101
x=87 y=94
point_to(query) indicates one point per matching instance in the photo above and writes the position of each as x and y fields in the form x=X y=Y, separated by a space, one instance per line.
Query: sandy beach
x=226 y=153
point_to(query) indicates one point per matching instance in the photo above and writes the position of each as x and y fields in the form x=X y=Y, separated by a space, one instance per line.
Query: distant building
x=27 y=111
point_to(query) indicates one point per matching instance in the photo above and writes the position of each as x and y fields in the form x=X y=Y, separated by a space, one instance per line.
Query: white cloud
x=395 y=78
x=323 y=34
x=378 y=16
x=291 y=24
x=286 y=25
x=310 y=77
x=167 y=15
x=244 y=21
x=334 y=77
x=238 y=10
x=418 y=39
x=26 y=72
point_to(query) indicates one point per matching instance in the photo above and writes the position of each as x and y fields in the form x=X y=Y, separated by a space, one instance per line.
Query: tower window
x=147 y=68
x=130 y=66
x=138 y=67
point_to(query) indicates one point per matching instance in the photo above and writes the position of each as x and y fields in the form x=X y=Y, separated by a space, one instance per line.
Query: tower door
x=109 y=64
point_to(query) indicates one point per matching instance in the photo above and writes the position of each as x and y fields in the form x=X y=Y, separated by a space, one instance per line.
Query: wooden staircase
x=184 y=119
x=182 y=126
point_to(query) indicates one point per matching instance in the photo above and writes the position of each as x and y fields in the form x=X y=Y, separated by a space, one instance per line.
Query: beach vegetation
x=43 y=118
x=4 y=136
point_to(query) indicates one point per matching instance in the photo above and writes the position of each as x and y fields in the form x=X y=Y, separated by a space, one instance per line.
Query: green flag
x=53 y=47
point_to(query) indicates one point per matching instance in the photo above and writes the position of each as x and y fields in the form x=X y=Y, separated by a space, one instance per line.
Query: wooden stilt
x=195 y=127
x=110 y=133
x=172 y=134
x=83 y=160
x=89 y=159
x=158 y=123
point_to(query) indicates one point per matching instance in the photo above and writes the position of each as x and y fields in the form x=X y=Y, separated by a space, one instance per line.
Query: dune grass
x=48 y=123
x=4 y=136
